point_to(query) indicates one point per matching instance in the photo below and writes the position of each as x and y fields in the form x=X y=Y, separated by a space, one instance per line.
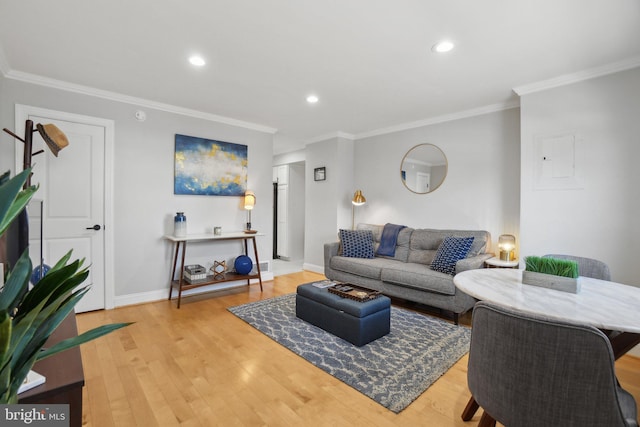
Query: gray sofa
x=407 y=275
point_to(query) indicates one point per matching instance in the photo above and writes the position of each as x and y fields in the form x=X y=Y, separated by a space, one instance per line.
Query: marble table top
x=603 y=304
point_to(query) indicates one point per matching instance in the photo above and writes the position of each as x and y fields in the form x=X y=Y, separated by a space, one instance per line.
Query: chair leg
x=470 y=409
x=486 y=420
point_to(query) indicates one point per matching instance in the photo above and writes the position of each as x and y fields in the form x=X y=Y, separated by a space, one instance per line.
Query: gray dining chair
x=587 y=267
x=528 y=370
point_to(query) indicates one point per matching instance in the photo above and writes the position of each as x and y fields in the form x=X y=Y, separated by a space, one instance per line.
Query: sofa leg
x=456 y=318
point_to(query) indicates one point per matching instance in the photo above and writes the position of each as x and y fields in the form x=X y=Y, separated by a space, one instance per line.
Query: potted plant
x=29 y=316
x=552 y=273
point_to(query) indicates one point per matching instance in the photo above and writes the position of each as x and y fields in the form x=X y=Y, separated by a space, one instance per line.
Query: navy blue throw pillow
x=357 y=243
x=450 y=251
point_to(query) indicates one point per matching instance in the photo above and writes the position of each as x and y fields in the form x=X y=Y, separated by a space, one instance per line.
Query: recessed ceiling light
x=443 y=46
x=197 y=61
x=312 y=99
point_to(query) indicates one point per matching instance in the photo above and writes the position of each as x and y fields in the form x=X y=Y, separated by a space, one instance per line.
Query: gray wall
x=480 y=191
x=600 y=219
x=327 y=203
x=144 y=203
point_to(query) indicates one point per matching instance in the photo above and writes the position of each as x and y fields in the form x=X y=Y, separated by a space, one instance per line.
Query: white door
x=423 y=182
x=72 y=188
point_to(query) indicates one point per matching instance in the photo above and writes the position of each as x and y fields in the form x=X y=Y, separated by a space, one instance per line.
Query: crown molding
x=337 y=134
x=441 y=119
x=567 y=79
x=117 y=97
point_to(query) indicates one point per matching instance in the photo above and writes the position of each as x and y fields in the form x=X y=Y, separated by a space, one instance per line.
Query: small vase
x=180 y=225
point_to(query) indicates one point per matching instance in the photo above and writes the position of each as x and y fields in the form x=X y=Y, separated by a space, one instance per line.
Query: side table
x=180 y=282
x=496 y=262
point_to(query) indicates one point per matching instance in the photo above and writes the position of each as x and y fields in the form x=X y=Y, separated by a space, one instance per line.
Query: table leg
x=176 y=248
x=181 y=279
x=623 y=342
x=246 y=252
x=255 y=252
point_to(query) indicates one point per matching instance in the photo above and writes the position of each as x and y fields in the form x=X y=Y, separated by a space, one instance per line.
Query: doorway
x=76 y=196
x=288 y=217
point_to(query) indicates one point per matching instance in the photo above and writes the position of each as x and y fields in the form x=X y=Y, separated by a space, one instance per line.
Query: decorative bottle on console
x=180 y=225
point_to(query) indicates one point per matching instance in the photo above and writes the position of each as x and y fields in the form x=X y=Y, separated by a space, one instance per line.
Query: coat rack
x=56 y=140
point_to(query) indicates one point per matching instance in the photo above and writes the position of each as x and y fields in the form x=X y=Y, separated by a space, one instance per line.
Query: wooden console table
x=181 y=284
x=64 y=375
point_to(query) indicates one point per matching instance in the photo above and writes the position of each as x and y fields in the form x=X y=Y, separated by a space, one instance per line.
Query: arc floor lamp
x=358 y=200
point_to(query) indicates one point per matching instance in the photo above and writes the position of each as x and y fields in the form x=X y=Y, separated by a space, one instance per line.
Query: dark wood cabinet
x=64 y=375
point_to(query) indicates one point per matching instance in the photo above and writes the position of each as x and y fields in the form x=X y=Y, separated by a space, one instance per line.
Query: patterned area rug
x=393 y=370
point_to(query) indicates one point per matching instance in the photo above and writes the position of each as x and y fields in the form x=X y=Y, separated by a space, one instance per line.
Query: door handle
x=95 y=227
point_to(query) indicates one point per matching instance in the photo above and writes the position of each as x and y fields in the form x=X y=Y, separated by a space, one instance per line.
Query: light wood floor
x=202 y=366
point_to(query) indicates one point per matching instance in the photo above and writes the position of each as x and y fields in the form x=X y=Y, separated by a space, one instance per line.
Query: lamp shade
x=358 y=198
x=507 y=247
x=249 y=200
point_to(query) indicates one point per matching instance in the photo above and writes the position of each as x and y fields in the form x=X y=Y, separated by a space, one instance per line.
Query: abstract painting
x=209 y=167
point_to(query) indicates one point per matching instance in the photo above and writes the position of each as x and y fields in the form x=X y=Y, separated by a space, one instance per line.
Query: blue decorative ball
x=38 y=273
x=243 y=264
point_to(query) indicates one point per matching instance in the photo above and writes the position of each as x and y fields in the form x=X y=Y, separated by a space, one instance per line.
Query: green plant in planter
x=29 y=316
x=553 y=266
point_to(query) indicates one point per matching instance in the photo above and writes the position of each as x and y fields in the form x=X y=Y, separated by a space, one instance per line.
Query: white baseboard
x=141 y=297
x=163 y=294
x=312 y=267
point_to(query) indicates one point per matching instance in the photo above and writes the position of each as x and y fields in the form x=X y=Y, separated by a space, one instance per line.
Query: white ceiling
x=369 y=61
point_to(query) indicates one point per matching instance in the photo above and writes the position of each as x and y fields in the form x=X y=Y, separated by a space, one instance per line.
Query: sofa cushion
x=425 y=242
x=451 y=251
x=365 y=267
x=421 y=277
x=357 y=243
x=402 y=244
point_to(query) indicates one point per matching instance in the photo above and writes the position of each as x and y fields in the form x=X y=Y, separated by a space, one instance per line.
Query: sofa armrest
x=472 y=263
x=330 y=250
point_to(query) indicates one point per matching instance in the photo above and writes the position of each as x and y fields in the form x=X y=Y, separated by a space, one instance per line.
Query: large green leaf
x=51 y=283
x=18 y=375
x=13 y=200
x=5 y=335
x=5 y=339
x=80 y=339
x=24 y=330
x=17 y=284
x=47 y=321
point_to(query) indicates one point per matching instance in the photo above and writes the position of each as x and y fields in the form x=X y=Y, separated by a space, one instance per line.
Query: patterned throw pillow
x=450 y=251
x=357 y=243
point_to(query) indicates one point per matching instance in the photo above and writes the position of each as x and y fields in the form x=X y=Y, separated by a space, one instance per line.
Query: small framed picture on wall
x=319 y=174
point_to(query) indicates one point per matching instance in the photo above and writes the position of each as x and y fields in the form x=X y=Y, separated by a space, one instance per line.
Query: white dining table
x=599 y=303
x=609 y=306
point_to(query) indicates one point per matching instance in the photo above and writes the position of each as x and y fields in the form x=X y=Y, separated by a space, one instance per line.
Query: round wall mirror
x=423 y=168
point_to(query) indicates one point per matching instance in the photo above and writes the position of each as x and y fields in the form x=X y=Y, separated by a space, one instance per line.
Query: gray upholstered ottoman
x=354 y=321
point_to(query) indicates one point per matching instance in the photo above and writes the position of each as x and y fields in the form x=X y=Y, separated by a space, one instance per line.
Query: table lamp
x=249 y=203
x=507 y=247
